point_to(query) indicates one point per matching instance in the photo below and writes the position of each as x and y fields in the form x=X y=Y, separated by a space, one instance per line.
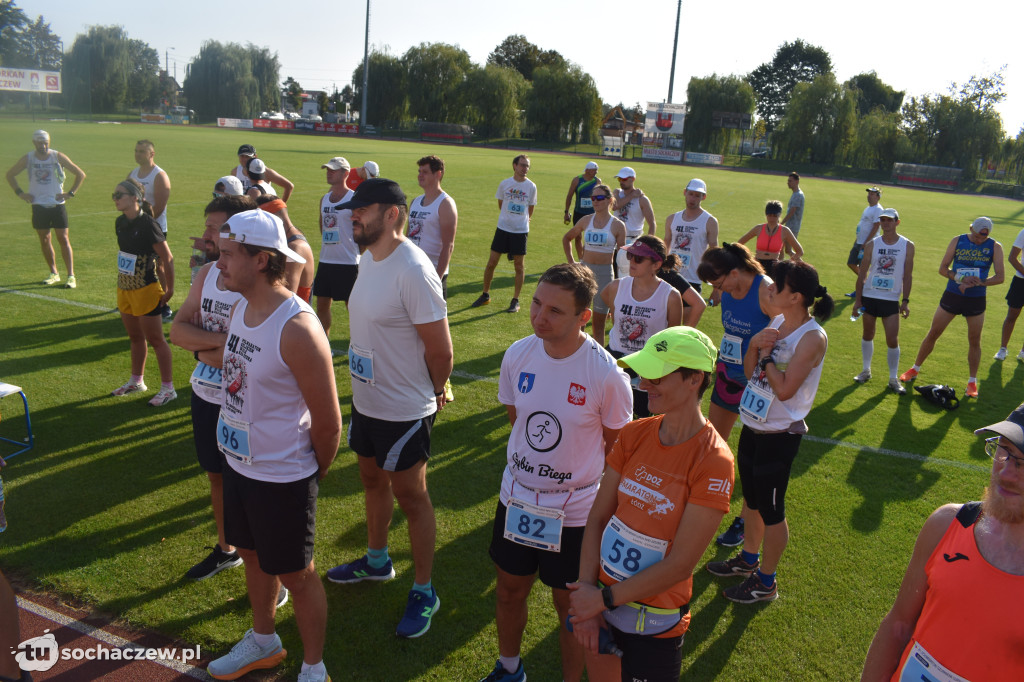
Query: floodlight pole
x=366 y=71
x=675 y=44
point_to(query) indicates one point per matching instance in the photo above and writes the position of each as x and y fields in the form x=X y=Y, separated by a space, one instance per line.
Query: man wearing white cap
x=279 y=429
x=228 y=185
x=46 y=194
x=368 y=170
x=634 y=208
x=246 y=153
x=1014 y=297
x=885 y=277
x=692 y=231
x=580 y=190
x=339 y=255
x=957 y=613
x=967 y=263
x=258 y=186
x=866 y=229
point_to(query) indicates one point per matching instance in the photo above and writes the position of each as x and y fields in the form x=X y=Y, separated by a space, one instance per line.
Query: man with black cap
x=867 y=226
x=957 y=615
x=246 y=154
x=279 y=428
x=399 y=358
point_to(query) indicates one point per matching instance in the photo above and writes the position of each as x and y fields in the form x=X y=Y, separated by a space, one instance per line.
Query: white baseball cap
x=230 y=184
x=337 y=163
x=889 y=213
x=980 y=224
x=259 y=228
x=626 y=172
x=40 y=135
x=697 y=185
x=590 y=166
x=257 y=166
x=372 y=169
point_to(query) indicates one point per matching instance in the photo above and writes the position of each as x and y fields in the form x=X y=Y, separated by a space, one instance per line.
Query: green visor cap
x=670 y=349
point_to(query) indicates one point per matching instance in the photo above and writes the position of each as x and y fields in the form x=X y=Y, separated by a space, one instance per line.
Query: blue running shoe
x=733 y=537
x=246 y=656
x=360 y=570
x=418 y=612
x=499 y=674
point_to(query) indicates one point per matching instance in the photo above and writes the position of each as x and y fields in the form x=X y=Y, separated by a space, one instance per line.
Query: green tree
x=820 y=123
x=12 y=25
x=435 y=73
x=323 y=103
x=386 y=101
x=707 y=95
x=516 y=52
x=497 y=94
x=143 y=75
x=563 y=104
x=220 y=82
x=99 y=66
x=796 y=62
x=293 y=93
x=879 y=141
x=266 y=70
x=872 y=92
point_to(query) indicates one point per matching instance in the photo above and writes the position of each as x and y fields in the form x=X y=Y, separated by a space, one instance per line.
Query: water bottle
x=605 y=642
x=856 y=314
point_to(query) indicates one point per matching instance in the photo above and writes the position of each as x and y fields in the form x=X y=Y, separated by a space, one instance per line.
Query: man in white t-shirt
x=517 y=198
x=399 y=358
x=433 y=218
x=566 y=400
x=633 y=208
x=339 y=255
x=867 y=227
x=1014 y=297
x=692 y=231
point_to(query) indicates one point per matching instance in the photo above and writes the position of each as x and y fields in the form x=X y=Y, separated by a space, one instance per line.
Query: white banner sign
x=662 y=154
x=30 y=80
x=612 y=146
x=700 y=157
x=234 y=122
x=666 y=119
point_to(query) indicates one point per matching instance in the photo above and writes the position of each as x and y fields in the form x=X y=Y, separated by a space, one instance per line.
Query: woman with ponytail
x=772 y=238
x=783 y=365
x=143 y=288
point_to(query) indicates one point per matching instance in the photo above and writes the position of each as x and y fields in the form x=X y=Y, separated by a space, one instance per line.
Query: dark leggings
x=764 y=462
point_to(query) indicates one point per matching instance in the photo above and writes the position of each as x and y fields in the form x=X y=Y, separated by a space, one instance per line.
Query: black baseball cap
x=246 y=149
x=1011 y=428
x=376 y=191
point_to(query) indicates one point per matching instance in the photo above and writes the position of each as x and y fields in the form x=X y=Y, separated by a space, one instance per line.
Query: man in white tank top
x=339 y=255
x=634 y=208
x=154 y=179
x=433 y=218
x=46 y=194
x=691 y=232
x=279 y=429
x=885 y=276
x=246 y=153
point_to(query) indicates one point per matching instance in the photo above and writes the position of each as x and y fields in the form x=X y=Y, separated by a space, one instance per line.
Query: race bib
x=883 y=283
x=730 y=350
x=921 y=665
x=625 y=552
x=233 y=438
x=515 y=209
x=126 y=263
x=585 y=202
x=332 y=236
x=684 y=258
x=534 y=526
x=755 y=403
x=596 y=238
x=360 y=364
x=206 y=377
x=967 y=272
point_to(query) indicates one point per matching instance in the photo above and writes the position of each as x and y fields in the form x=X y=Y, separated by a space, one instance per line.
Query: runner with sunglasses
x=602 y=233
x=732 y=271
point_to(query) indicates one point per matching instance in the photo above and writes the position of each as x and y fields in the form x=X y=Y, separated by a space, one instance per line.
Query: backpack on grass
x=939 y=394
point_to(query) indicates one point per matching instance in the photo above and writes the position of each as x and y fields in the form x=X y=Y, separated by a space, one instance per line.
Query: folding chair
x=11 y=389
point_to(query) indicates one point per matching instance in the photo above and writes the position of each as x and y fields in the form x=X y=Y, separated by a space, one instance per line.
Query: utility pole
x=675 y=45
x=366 y=71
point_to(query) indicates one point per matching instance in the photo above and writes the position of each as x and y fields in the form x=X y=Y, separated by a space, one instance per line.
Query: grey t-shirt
x=796 y=204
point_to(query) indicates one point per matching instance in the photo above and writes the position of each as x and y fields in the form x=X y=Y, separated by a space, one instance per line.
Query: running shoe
x=751 y=590
x=129 y=387
x=733 y=537
x=167 y=314
x=1020 y=356
x=213 y=564
x=1000 y=354
x=972 y=389
x=72 y=282
x=852 y=294
x=897 y=387
x=312 y=676
x=53 y=278
x=863 y=376
x=909 y=375
x=513 y=307
x=484 y=299
x=419 y=611
x=360 y=570
x=163 y=396
x=282 y=596
x=246 y=656
x=731 y=567
x=499 y=674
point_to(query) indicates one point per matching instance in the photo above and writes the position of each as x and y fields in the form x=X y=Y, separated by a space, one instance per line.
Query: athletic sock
x=916 y=368
x=892 y=355
x=867 y=351
x=167 y=385
x=427 y=589
x=377 y=558
x=767 y=579
x=750 y=557
x=315 y=667
x=263 y=640
x=136 y=378
x=509 y=663
x=973 y=379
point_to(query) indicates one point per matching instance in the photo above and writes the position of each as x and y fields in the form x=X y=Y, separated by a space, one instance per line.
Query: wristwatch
x=71 y=193
x=606 y=597
x=765 y=361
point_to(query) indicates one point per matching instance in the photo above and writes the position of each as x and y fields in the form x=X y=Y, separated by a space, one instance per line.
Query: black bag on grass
x=939 y=394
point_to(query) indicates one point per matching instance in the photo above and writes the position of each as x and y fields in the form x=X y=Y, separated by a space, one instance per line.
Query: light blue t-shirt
x=796 y=204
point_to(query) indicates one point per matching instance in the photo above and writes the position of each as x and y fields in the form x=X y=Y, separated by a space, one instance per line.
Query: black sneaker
x=216 y=562
x=751 y=590
x=731 y=567
x=484 y=299
x=282 y=596
x=734 y=536
x=513 y=307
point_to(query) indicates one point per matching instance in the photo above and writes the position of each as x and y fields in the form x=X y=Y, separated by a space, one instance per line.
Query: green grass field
x=111 y=508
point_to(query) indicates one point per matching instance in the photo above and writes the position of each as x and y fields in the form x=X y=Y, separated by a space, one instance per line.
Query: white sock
x=509 y=663
x=892 y=355
x=972 y=380
x=315 y=667
x=263 y=640
x=917 y=368
x=867 y=351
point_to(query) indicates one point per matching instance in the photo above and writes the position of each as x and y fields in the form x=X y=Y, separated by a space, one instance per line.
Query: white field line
x=54 y=299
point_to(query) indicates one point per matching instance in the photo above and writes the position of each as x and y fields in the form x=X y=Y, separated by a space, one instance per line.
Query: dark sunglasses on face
x=636 y=259
x=117 y=195
x=598 y=197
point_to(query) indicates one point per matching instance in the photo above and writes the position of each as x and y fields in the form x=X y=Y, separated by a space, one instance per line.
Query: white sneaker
x=1000 y=354
x=863 y=376
x=164 y=396
x=246 y=656
x=129 y=387
x=1020 y=356
x=52 y=278
x=897 y=387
